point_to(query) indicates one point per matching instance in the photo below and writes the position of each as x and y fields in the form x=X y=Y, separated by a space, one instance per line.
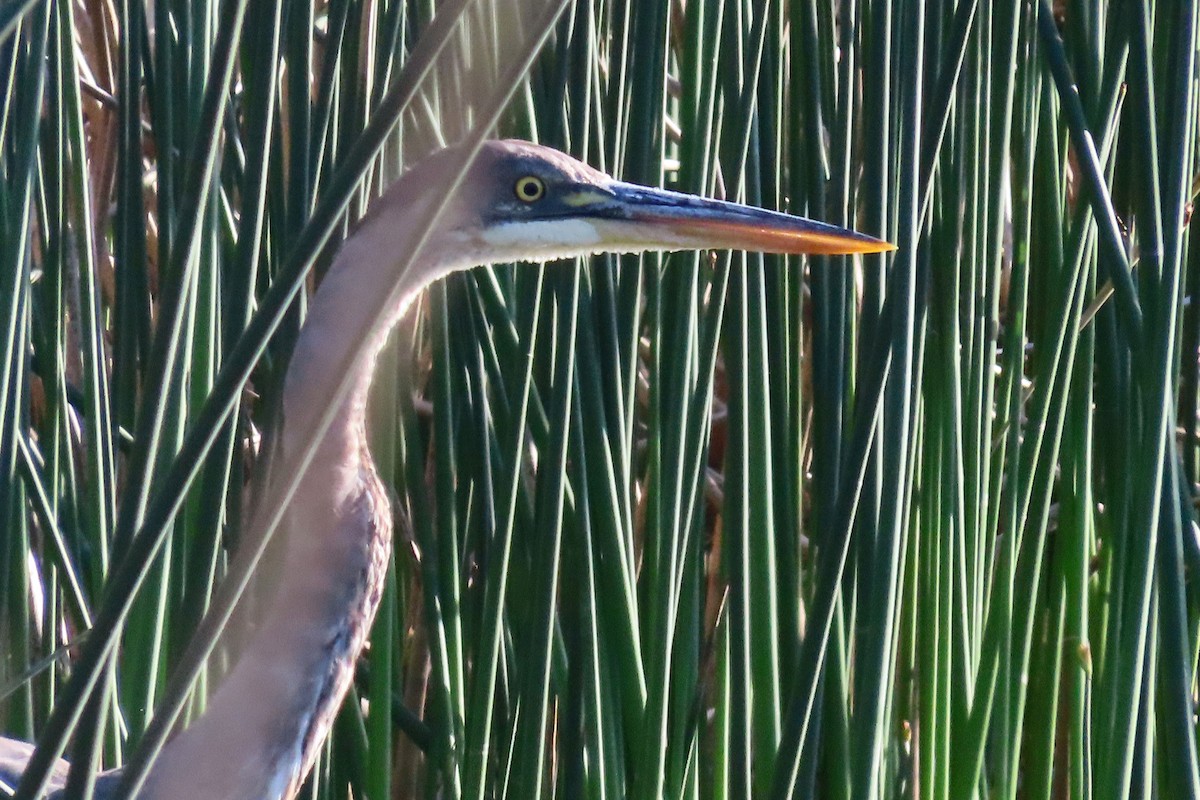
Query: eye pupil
x=530 y=188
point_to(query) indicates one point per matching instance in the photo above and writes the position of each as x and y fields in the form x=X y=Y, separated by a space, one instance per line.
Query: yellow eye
x=529 y=189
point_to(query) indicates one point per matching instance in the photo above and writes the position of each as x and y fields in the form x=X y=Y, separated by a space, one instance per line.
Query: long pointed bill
x=685 y=221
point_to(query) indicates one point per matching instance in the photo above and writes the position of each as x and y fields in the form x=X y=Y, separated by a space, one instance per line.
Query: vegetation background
x=695 y=526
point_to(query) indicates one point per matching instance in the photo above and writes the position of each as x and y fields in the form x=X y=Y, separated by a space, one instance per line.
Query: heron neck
x=263 y=726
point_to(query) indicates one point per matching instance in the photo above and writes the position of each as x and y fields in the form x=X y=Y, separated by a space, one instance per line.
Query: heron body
x=264 y=725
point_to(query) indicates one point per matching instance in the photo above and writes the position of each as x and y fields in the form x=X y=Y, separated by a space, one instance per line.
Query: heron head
x=534 y=203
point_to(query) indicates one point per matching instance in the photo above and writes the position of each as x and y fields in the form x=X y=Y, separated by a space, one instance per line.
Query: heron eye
x=529 y=189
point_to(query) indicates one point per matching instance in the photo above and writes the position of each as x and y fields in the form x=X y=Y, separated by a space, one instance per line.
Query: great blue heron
x=518 y=202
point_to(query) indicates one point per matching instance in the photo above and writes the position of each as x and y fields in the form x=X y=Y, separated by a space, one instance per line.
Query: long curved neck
x=265 y=723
